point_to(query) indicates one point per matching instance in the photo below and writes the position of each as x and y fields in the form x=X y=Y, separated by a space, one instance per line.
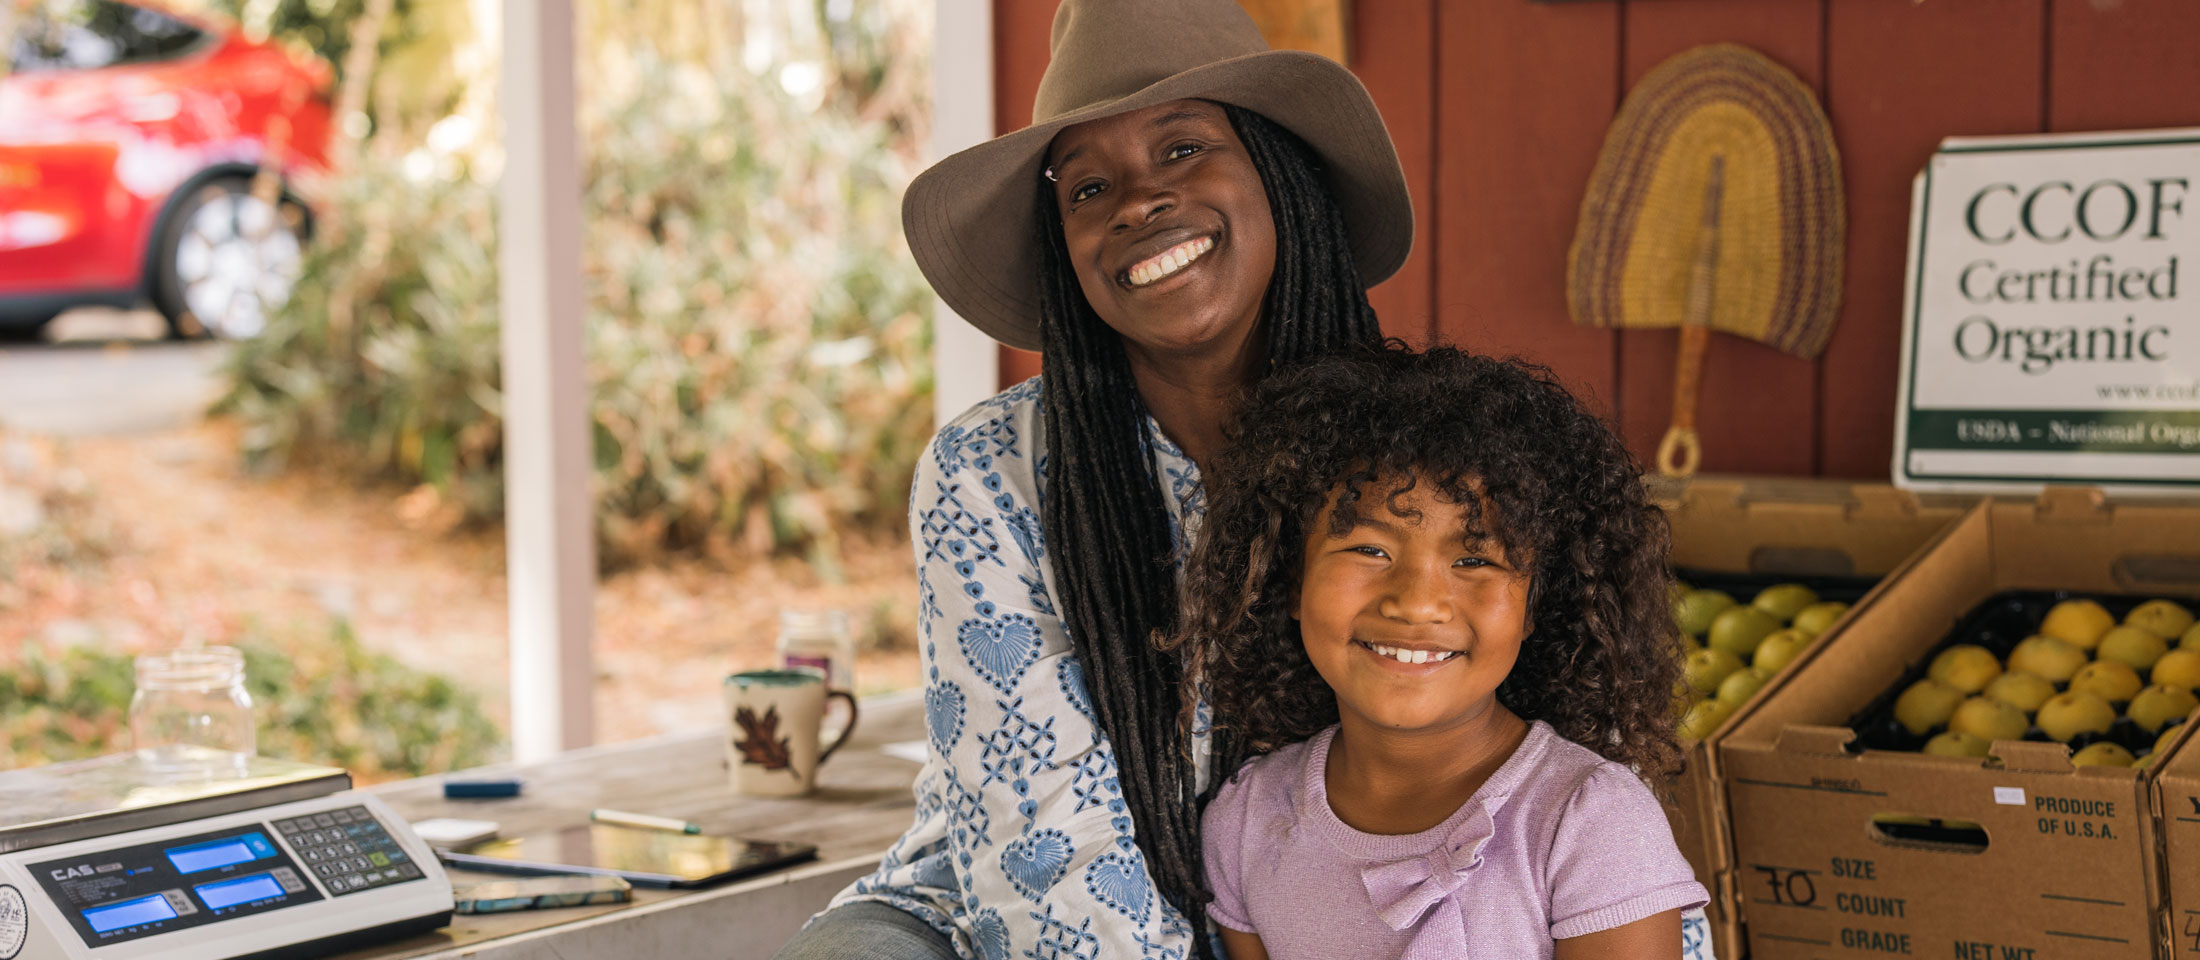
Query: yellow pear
x=2145 y=762
x=2191 y=639
x=2109 y=680
x=2169 y=733
x=2047 y=657
x=1784 y=600
x=2073 y=712
x=2077 y=622
x=1738 y=631
x=2160 y=617
x=1949 y=743
x=2177 y=668
x=2131 y=645
x=2024 y=691
x=1739 y=686
x=1928 y=703
x=1705 y=669
x=2102 y=753
x=1779 y=650
x=1818 y=617
x=2158 y=706
x=1989 y=720
x=1695 y=610
x=1966 y=667
x=1703 y=719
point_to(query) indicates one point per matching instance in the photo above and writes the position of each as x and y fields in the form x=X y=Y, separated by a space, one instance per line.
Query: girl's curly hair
x=1538 y=474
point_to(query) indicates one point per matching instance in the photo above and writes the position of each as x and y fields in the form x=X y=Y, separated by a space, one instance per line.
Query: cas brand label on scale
x=2052 y=314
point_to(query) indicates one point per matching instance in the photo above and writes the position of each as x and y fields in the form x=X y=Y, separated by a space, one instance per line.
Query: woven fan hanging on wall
x=1716 y=205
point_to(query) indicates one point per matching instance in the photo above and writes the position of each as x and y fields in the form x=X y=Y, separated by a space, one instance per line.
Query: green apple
x=1695 y=611
x=1966 y=667
x=1949 y=743
x=1703 y=719
x=2024 y=691
x=1928 y=703
x=1784 y=600
x=1989 y=720
x=2160 y=617
x=1739 y=686
x=1738 y=631
x=2111 y=680
x=2047 y=657
x=1779 y=650
x=1818 y=617
x=2132 y=645
x=2102 y=753
x=2073 y=712
x=2158 y=706
x=1707 y=668
x=2079 y=623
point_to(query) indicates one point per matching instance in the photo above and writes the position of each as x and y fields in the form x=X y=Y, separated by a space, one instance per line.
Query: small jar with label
x=818 y=638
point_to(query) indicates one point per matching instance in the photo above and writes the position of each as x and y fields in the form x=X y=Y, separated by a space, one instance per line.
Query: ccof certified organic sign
x=2052 y=317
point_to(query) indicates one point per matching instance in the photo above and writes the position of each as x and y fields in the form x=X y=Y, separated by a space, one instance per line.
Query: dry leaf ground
x=203 y=549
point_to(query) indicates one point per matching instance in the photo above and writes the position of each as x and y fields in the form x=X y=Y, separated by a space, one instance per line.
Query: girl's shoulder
x=1271 y=781
x=1563 y=771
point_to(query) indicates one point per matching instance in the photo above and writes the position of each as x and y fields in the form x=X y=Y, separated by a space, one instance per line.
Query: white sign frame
x=2030 y=430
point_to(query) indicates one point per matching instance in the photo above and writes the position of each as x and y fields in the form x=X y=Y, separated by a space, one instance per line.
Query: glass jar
x=191 y=713
x=818 y=638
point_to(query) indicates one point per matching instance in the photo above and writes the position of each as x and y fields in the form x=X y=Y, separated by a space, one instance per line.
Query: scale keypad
x=348 y=850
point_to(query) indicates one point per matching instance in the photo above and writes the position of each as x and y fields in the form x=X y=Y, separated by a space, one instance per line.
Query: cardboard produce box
x=2177 y=811
x=1780 y=529
x=2057 y=861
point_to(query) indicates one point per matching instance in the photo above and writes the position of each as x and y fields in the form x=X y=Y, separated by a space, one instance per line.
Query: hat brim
x=970 y=219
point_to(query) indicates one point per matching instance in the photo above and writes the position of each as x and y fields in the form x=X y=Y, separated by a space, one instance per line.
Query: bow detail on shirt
x=1418 y=890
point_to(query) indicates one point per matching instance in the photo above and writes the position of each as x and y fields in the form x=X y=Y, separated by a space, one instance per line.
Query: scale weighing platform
x=99 y=860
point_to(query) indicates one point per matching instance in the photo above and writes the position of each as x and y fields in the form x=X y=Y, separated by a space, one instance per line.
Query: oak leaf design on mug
x=764 y=746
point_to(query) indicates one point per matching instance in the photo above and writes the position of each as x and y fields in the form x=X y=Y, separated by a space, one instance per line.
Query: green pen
x=642 y=820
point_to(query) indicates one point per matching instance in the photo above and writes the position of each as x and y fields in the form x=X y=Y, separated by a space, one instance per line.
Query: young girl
x=1432 y=593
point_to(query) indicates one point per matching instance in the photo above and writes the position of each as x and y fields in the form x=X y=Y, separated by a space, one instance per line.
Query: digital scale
x=100 y=860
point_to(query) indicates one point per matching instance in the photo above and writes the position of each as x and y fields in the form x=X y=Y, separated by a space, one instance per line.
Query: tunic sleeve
x=1613 y=861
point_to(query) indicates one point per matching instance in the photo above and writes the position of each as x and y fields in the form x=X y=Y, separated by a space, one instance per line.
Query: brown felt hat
x=971 y=218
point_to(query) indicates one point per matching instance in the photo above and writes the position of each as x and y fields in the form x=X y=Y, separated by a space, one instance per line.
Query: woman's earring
x=1049 y=174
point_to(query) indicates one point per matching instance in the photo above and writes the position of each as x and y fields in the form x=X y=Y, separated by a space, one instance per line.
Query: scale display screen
x=229 y=893
x=220 y=853
x=144 y=890
x=130 y=913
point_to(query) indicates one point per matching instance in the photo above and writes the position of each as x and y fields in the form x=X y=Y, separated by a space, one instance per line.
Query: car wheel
x=31 y=329
x=227 y=260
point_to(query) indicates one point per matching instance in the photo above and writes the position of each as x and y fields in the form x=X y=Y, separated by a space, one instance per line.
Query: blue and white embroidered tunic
x=1023 y=846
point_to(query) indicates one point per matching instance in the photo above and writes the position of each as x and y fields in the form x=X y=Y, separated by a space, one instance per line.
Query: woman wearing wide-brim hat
x=1189 y=208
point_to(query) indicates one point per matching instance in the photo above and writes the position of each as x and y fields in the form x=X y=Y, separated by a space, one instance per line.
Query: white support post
x=549 y=536
x=966 y=363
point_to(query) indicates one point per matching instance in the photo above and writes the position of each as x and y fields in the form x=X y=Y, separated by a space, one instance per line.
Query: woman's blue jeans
x=867 y=930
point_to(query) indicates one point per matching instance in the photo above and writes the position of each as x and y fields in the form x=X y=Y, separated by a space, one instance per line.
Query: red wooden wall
x=1499 y=107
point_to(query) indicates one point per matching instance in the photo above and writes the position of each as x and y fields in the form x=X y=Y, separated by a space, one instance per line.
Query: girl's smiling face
x=1413 y=624
x=1167 y=225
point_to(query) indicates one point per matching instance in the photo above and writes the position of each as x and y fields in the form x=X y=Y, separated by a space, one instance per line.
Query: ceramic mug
x=775 y=718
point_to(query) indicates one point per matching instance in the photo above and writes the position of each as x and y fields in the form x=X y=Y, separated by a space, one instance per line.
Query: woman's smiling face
x=1167 y=225
x=1410 y=622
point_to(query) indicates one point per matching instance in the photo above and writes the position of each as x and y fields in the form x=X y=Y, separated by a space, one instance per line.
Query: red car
x=130 y=138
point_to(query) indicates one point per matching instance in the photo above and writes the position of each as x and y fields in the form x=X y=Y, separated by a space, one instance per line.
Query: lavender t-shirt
x=1559 y=843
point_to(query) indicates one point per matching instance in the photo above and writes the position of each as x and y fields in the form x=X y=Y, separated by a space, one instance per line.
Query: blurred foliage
x=48 y=518
x=759 y=337
x=332 y=702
